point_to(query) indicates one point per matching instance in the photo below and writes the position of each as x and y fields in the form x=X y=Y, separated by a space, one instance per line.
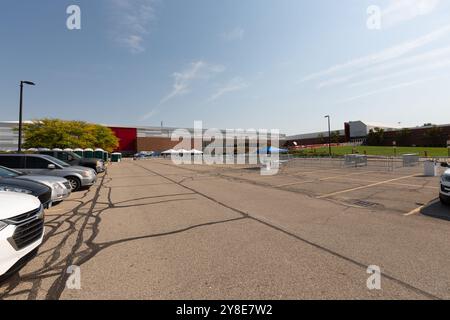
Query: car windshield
x=446 y=177
x=76 y=156
x=8 y=173
x=57 y=161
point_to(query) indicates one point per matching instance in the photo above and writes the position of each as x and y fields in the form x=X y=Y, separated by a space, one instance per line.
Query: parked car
x=21 y=230
x=39 y=164
x=61 y=188
x=39 y=190
x=143 y=155
x=444 y=193
x=75 y=160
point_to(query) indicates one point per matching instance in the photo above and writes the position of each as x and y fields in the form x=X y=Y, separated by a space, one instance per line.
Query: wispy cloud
x=429 y=57
x=132 y=21
x=235 y=34
x=149 y=114
x=382 y=56
x=399 y=11
x=393 y=87
x=437 y=65
x=235 y=84
x=183 y=80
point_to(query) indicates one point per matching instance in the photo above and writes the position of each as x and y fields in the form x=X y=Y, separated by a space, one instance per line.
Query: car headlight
x=13 y=189
x=57 y=186
x=3 y=225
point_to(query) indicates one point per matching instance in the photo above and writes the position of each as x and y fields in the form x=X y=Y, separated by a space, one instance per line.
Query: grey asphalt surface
x=153 y=230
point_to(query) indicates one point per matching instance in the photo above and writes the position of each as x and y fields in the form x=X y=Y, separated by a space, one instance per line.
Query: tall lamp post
x=19 y=149
x=329 y=134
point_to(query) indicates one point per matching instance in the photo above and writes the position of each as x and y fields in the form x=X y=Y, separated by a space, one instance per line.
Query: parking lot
x=152 y=230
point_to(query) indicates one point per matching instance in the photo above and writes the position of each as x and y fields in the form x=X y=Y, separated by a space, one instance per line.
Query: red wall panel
x=127 y=139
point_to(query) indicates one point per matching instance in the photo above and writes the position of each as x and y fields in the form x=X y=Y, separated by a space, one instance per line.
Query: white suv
x=444 y=193
x=21 y=230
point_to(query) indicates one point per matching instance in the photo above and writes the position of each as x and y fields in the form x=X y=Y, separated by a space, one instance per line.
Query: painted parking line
x=417 y=210
x=346 y=175
x=395 y=184
x=294 y=183
x=365 y=187
x=315 y=171
x=322 y=179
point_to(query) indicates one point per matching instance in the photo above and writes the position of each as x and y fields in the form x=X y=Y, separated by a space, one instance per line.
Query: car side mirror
x=444 y=164
x=51 y=166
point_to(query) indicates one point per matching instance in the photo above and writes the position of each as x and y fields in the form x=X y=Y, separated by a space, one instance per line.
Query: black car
x=75 y=160
x=39 y=190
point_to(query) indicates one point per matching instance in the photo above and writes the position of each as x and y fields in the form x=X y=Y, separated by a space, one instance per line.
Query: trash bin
x=98 y=153
x=89 y=153
x=79 y=152
x=410 y=160
x=116 y=157
x=430 y=168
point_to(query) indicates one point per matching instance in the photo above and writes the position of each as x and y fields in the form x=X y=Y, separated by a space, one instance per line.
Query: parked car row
x=30 y=183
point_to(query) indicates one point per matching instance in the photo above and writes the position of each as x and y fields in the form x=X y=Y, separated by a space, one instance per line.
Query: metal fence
x=349 y=161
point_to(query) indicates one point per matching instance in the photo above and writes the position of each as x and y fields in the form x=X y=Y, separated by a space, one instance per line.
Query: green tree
x=321 y=138
x=403 y=137
x=375 y=137
x=335 y=136
x=435 y=137
x=56 y=133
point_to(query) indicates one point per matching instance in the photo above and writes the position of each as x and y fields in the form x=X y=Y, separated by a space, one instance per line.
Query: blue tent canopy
x=272 y=150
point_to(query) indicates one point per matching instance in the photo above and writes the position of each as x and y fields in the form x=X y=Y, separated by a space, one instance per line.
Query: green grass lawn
x=383 y=151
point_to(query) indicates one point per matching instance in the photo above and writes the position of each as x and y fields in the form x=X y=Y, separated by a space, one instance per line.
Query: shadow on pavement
x=436 y=209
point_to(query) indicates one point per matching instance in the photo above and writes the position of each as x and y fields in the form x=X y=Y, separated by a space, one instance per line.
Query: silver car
x=61 y=188
x=37 y=164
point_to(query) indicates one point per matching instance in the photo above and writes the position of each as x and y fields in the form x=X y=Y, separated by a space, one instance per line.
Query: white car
x=21 y=230
x=444 y=193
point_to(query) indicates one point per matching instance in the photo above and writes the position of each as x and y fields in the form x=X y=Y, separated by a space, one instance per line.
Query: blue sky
x=233 y=64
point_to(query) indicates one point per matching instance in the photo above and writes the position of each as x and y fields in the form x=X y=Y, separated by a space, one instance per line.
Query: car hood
x=35 y=187
x=80 y=168
x=14 y=204
x=89 y=161
x=47 y=180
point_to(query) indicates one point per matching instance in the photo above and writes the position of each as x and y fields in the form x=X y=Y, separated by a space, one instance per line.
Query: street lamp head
x=327 y=116
x=28 y=82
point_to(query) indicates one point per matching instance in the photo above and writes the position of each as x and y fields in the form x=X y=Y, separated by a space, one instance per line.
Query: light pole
x=329 y=134
x=19 y=149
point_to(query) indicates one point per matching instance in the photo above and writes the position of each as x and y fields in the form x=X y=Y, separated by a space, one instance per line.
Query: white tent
x=171 y=151
x=194 y=151
x=183 y=151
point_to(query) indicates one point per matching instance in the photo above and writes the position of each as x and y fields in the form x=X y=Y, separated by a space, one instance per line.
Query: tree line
x=56 y=133
x=432 y=137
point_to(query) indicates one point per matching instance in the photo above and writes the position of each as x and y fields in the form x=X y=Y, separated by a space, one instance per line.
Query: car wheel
x=75 y=183
x=443 y=201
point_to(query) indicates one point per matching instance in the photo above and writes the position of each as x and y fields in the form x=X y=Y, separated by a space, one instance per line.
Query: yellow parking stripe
x=365 y=187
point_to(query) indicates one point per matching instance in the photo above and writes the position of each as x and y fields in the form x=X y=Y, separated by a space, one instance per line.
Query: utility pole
x=19 y=148
x=329 y=134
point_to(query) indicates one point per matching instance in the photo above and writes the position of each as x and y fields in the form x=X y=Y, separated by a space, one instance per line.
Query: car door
x=12 y=162
x=36 y=165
